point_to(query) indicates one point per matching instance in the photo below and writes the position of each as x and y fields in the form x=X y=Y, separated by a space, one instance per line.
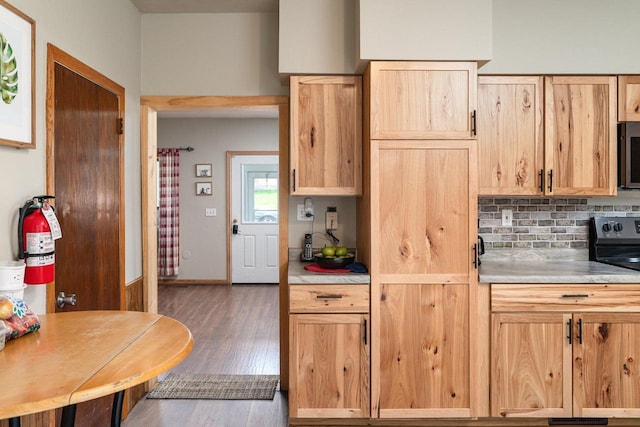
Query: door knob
x=63 y=299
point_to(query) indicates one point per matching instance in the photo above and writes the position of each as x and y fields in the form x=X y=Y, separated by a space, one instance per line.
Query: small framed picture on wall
x=204 y=170
x=204 y=189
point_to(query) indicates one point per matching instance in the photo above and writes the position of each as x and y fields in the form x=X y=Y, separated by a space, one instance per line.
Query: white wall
x=346 y=232
x=317 y=36
x=210 y=54
x=425 y=30
x=205 y=237
x=106 y=36
x=565 y=37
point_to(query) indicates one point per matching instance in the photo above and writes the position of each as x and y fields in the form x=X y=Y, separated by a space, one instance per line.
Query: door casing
x=149 y=107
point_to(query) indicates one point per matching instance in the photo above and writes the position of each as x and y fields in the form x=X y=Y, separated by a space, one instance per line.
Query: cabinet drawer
x=563 y=297
x=347 y=298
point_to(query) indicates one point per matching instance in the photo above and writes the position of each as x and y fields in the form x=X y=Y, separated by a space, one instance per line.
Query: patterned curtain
x=169 y=212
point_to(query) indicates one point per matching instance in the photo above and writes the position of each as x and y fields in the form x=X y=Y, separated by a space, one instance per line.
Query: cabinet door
x=422 y=100
x=510 y=135
x=423 y=215
x=530 y=365
x=424 y=210
x=326 y=135
x=329 y=366
x=629 y=98
x=606 y=365
x=580 y=135
x=424 y=356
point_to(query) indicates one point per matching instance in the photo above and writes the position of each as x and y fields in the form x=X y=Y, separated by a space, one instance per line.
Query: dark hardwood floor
x=235 y=330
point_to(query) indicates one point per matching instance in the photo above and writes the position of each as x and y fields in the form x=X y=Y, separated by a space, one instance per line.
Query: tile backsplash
x=543 y=222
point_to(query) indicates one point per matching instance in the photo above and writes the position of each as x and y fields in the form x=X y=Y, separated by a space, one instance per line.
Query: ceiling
x=206 y=6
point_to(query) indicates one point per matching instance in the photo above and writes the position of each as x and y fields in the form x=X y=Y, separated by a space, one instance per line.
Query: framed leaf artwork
x=17 y=77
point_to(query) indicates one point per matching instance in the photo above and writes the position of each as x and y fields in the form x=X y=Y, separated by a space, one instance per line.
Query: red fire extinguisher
x=38 y=228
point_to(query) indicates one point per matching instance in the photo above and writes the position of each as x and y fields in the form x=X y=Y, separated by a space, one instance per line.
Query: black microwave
x=629 y=155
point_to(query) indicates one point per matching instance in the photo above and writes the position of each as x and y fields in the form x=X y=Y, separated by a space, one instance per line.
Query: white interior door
x=254 y=216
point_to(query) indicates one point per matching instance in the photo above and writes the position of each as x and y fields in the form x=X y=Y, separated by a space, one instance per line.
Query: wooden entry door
x=84 y=171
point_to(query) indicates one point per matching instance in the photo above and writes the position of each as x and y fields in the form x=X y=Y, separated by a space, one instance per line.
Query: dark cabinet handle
x=575 y=296
x=365 y=331
x=541 y=175
x=580 y=331
x=294 y=180
x=313 y=133
x=550 y=180
x=570 y=327
x=328 y=296
x=475 y=256
x=474 y=130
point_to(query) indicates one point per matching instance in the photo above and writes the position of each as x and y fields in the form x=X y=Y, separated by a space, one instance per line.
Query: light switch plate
x=210 y=212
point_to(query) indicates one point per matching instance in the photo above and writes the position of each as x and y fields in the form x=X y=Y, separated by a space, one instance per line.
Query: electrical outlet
x=331 y=220
x=301 y=216
x=507 y=217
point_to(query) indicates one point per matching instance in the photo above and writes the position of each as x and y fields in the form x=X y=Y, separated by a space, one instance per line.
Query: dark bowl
x=334 y=262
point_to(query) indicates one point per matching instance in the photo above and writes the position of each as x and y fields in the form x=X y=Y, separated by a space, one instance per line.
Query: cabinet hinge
x=120 y=126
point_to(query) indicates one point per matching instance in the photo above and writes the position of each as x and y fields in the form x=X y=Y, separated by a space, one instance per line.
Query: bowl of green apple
x=334 y=257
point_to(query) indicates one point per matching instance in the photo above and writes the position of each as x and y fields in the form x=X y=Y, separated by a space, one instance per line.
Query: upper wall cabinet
x=510 y=135
x=423 y=100
x=579 y=139
x=629 y=98
x=580 y=135
x=326 y=135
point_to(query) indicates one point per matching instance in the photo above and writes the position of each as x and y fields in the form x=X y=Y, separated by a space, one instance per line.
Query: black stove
x=615 y=241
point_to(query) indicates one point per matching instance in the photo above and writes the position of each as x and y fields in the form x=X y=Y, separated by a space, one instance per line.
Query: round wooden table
x=82 y=355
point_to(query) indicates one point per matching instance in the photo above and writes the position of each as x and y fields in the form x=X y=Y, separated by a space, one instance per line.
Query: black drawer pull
x=575 y=296
x=328 y=296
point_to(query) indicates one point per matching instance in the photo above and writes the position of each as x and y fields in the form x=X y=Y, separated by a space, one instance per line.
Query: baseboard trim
x=189 y=282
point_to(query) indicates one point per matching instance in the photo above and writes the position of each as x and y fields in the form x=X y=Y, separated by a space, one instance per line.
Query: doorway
x=253 y=190
x=150 y=106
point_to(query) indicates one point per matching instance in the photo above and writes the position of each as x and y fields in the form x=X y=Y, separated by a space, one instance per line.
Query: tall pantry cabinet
x=418 y=235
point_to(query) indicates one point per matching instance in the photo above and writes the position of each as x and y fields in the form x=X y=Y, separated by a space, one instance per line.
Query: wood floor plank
x=235 y=331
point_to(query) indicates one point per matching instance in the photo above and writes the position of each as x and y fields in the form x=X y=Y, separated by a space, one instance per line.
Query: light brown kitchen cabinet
x=510 y=135
x=422 y=100
x=580 y=135
x=629 y=98
x=326 y=135
x=329 y=356
x=565 y=350
x=424 y=353
x=423 y=277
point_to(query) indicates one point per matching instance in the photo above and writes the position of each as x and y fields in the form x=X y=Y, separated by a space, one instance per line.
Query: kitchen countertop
x=298 y=275
x=554 y=271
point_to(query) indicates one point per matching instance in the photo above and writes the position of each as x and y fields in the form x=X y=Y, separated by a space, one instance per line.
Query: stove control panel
x=617 y=227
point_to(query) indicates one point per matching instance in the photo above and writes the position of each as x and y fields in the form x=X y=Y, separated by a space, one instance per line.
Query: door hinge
x=120 y=126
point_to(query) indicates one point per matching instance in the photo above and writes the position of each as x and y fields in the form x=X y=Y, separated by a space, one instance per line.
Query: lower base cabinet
x=424 y=365
x=573 y=355
x=329 y=356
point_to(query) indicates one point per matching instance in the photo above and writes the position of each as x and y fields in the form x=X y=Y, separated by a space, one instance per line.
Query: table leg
x=68 y=416
x=14 y=422
x=116 y=409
